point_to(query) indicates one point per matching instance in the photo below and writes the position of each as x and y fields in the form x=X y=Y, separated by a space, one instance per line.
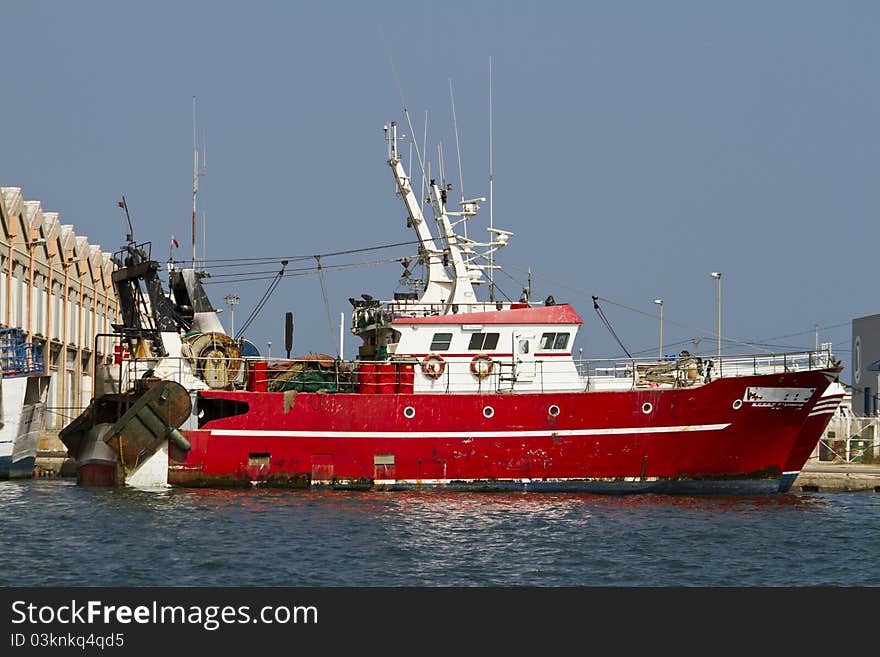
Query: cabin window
x=554 y=340
x=441 y=341
x=483 y=341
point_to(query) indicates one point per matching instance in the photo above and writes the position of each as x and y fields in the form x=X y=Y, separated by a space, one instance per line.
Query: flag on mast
x=121 y=203
x=174 y=242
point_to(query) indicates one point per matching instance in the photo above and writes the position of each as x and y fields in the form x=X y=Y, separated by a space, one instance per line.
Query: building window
x=87 y=382
x=2 y=290
x=483 y=341
x=52 y=416
x=17 y=296
x=39 y=307
x=73 y=319
x=56 y=311
x=69 y=404
x=441 y=341
x=87 y=322
x=21 y=301
x=554 y=340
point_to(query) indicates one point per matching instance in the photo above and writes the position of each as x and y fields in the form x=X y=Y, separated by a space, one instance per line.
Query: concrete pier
x=843 y=477
x=52 y=458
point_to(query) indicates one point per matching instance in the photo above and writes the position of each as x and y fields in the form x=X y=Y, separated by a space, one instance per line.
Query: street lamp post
x=231 y=300
x=659 y=302
x=717 y=276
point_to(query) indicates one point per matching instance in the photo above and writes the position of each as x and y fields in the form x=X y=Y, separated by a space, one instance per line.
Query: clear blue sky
x=638 y=147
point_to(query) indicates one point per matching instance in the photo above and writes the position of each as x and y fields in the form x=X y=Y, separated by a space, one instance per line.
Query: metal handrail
x=637 y=372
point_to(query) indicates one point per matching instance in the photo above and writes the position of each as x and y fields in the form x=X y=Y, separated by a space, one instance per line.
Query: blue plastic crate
x=17 y=356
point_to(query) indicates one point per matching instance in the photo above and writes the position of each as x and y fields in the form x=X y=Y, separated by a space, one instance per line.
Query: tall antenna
x=196 y=174
x=204 y=214
x=441 y=163
x=124 y=205
x=195 y=182
x=422 y=159
x=491 y=195
x=457 y=149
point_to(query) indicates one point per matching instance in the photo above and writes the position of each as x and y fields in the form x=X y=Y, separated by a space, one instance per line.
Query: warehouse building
x=56 y=288
x=866 y=364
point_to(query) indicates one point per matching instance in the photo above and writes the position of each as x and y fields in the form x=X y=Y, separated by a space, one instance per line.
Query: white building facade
x=57 y=288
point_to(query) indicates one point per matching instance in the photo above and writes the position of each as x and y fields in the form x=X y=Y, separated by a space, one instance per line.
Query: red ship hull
x=701 y=439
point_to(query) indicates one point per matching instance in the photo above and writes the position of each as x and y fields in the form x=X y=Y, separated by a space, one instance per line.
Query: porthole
x=647 y=408
x=409 y=412
x=488 y=411
x=553 y=410
x=737 y=404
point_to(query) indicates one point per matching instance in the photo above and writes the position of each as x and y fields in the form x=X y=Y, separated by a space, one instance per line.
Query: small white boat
x=23 y=390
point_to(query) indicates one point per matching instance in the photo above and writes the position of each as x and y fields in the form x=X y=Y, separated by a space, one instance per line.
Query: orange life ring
x=433 y=366
x=482 y=371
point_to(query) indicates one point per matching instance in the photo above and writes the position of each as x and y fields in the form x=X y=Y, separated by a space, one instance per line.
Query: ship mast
x=450 y=288
x=439 y=287
x=463 y=291
x=195 y=183
x=491 y=195
x=197 y=173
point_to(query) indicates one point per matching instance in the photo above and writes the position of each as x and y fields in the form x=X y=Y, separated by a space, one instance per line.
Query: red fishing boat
x=447 y=392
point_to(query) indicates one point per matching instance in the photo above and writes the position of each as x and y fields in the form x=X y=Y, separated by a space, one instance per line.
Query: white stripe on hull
x=826 y=406
x=833 y=401
x=467 y=434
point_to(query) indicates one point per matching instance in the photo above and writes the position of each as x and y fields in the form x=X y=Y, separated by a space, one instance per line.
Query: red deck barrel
x=367 y=378
x=386 y=378
x=406 y=378
x=258 y=378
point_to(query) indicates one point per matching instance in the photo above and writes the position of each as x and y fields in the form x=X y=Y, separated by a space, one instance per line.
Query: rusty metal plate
x=145 y=426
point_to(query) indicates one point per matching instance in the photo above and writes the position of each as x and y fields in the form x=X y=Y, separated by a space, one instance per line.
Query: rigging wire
x=296 y=258
x=326 y=301
x=607 y=324
x=502 y=291
x=244 y=277
x=458 y=151
x=262 y=301
x=409 y=124
x=703 y=331
x=812 y=330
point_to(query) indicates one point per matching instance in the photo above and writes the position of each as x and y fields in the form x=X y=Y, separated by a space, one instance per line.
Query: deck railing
x=405 y=375
x=690 y=369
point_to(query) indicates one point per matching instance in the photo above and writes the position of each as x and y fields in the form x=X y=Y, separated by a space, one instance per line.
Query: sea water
x=54 y=533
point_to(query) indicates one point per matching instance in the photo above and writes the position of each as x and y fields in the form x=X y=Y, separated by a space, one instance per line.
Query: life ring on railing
x=482 y=365
x=433 y=366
